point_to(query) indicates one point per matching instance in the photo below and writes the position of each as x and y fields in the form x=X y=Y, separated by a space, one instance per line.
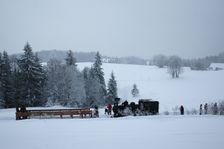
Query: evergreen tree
x=112 y=89
x=17 y=83
x=32 y=78
x=98 y=76
x=98 y=70
x=70 y=59
x=75 y=90
x=92 y=88
x=40 y=80
x=135 y=91
x=6 y=82
x=65 y=85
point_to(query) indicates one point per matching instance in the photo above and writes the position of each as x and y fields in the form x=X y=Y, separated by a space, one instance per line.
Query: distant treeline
x=159 y=60
x=203 y=63
x=46 y=56
x=195 y=64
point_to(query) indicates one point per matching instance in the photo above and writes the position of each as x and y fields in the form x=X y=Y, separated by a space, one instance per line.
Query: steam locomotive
x=144 y=107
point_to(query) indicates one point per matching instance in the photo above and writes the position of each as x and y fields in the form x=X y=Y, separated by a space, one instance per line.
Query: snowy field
x=156 y=132
x=191 y=89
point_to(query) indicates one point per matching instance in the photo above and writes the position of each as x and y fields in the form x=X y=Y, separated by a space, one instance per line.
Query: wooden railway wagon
x=24 y=114
x=144 y=107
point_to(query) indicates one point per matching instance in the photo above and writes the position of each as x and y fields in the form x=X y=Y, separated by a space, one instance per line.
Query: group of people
x=205 y=109
x=200 y=111
x=213 y=109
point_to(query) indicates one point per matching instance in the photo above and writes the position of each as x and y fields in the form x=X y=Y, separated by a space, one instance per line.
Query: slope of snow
x=190 y=90
x=160 y=132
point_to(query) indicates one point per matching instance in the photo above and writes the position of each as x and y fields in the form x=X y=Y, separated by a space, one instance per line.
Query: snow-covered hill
x=190 y=90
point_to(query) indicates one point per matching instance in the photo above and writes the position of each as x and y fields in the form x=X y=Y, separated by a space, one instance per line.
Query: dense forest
x=24 y=81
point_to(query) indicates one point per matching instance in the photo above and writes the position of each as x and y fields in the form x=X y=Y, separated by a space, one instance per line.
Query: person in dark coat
x=17 y=110
x=206 y=108
x=200 y=111
x=182 y=110
x=215 y=109
x=106 y=110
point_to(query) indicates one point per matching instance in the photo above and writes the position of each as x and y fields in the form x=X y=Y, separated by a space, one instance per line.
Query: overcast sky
x=188 y=28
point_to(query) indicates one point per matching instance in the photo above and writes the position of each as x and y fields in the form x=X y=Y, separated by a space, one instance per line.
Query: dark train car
x=144 y=107
x=148 y=106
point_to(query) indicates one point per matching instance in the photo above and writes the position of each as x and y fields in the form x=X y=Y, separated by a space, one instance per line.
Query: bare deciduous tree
x=175 y=66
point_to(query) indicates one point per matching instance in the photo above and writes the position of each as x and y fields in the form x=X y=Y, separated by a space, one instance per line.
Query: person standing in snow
x=206 y=108
x=215 y=109
x=182 y=110
x=200 y=112
x=96 y=112
x=106 y=110
x=109 y=107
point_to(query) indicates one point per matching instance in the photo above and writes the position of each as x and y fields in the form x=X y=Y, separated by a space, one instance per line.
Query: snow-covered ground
x=191 y=89
x=160 y=132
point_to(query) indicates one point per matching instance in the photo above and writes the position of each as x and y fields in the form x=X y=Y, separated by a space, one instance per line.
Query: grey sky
x=188 y=28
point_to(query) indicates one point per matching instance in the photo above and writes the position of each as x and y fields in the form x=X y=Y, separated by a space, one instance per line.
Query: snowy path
x=185 y=132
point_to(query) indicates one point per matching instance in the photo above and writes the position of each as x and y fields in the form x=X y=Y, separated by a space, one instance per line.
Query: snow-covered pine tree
x=16 y=79
x=99 y=77
x=112 y=89
x=70 y=59
x=135 y=91
x=40 y=83
x=74 y=82
x=6 y=82
x=92 y=88
x=98 y=70
x=32 y=77
x=75 y=89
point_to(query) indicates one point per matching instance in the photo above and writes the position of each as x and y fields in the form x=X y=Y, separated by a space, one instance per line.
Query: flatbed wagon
x=24 y=114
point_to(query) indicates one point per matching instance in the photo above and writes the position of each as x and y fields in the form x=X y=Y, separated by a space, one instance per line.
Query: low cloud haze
x=143 y=28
